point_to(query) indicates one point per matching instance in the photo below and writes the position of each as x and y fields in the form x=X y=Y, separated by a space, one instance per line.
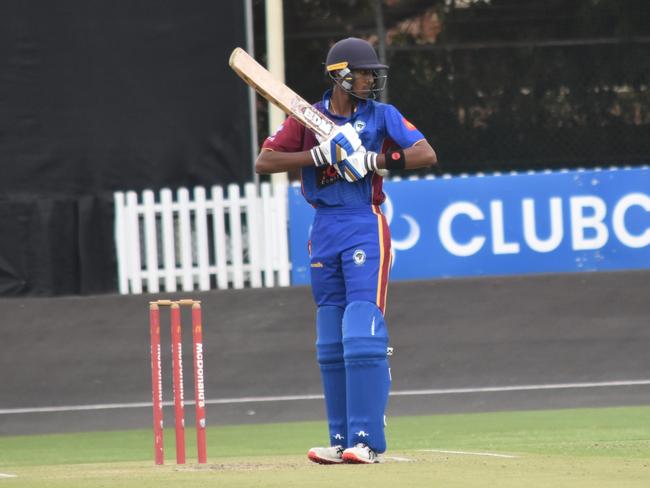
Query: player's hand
x=337 y=146
x=356 y=166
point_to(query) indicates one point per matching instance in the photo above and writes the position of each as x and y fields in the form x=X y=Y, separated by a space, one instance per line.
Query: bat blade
x=279 y=94
x=258 y=77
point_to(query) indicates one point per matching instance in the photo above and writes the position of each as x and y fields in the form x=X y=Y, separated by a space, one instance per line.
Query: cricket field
x=577 y=448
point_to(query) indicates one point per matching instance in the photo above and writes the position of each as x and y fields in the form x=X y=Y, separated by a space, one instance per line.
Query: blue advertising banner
x=508 y=224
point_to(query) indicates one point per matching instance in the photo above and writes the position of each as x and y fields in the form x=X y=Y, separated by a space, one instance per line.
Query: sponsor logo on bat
x=314 y=116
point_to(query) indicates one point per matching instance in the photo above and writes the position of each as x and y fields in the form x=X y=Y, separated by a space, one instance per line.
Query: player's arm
x=411 y=150
x=270 y=161
x=281 y=152
x=419 y=155
x=357 y=165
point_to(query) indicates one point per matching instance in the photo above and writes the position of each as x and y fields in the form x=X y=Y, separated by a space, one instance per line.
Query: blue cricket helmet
x=350 y=54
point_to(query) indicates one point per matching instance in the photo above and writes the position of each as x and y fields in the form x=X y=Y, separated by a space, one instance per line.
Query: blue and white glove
x=337 y=146
x=356 y=166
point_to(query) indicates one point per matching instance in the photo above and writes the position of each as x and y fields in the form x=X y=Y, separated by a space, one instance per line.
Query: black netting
x=528 y=107
x=500 y=84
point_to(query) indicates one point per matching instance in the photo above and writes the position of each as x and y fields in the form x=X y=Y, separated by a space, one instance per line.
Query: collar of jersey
x=362 y=106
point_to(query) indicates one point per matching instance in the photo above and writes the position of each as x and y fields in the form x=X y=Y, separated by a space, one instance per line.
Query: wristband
x=395 y=158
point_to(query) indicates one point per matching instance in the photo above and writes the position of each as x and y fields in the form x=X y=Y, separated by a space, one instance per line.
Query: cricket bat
x=280 y=95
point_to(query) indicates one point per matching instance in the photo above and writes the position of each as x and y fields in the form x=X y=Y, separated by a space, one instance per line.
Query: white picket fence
x=220 y=241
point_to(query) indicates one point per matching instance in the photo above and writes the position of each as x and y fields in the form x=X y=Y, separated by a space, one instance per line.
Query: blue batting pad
x=365 y=343
x=329 y=351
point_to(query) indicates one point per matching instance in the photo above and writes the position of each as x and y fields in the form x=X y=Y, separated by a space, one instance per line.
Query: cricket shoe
x=360 y=454
x=326 y=455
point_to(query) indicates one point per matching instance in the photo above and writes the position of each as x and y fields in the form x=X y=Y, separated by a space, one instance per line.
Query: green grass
x=572 y=448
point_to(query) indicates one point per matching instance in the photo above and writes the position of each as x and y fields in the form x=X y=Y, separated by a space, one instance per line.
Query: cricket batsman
x=350 y=245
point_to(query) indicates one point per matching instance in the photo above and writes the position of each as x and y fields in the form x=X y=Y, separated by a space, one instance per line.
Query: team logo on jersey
x=326 y=175
x=359 y=257
x=408 y=125
x=359 y=125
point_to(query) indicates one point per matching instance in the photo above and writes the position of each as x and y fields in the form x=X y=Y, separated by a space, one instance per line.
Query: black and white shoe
x=360 y=454
x=326 y=455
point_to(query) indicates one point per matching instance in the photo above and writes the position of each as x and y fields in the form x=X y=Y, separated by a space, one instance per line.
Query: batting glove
x=337 y=146
x=356 y=166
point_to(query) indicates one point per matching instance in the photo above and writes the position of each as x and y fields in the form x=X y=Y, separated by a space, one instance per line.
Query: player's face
x=363 y=81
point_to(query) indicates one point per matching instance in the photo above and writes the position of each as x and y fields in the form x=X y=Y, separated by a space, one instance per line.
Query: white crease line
x=6 y=475
x=551 y=386
x=398 y=459
x=289 y=398
x=468 y=453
